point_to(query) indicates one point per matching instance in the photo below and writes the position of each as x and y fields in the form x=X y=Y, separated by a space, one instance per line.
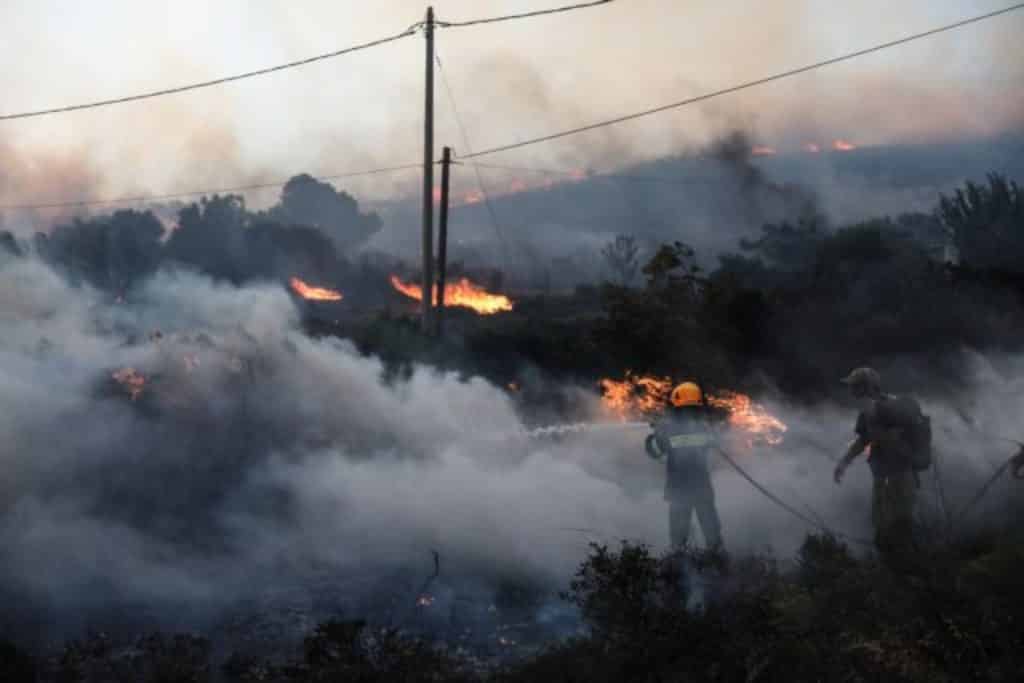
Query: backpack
x=904 y=413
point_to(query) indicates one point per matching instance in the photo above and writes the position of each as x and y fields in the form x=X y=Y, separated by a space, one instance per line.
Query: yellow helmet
x=686 y=394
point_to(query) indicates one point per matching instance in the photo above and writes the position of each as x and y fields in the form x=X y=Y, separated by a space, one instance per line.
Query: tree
x=621 y=257
x=986 y=223
x=787 y=245
x=672 y=264
x=110 y=252
x=9 y=244
x=210 y=236
x=307 y=201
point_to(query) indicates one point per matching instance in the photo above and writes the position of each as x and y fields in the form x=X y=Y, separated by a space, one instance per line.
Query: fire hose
x=1016 y=467
x=784 y=505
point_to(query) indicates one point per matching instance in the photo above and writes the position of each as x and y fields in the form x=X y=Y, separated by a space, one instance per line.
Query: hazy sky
x=511 y=81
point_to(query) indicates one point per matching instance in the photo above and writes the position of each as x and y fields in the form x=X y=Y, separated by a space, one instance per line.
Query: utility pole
x=442 y=237
x=428 y=179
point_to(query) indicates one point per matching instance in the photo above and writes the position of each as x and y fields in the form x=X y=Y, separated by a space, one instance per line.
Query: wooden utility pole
x=428 y=179
x=442 y=237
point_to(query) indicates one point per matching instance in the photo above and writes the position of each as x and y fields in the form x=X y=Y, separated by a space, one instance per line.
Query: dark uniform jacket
x=883 y=430
x=686 y=438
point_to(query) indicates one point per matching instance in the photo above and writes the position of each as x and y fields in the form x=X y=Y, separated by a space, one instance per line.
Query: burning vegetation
x=311 y=293
x=461 y=293
x=131 y=381
x=645 y=395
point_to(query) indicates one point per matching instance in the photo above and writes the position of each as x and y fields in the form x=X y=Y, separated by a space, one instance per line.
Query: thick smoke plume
x=255 y=457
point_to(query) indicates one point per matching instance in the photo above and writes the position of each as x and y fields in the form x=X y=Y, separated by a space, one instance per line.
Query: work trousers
x=695 y=495
x=892 y=512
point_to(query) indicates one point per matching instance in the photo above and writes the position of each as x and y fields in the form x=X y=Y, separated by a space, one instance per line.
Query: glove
x=653 y=447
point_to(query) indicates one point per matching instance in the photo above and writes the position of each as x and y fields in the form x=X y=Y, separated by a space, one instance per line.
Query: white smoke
x=256 y=454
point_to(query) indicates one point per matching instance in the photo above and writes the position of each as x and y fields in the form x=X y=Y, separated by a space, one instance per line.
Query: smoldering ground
x=255 y=458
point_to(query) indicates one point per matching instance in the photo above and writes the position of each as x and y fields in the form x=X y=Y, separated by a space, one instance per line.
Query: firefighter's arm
x=855 y=448
x=654 y=443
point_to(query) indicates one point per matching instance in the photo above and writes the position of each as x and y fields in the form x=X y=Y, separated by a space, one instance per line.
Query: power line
x=524 y=15
x=465 y=141
x=196 y=193
x=217 y=81
x=748 y=84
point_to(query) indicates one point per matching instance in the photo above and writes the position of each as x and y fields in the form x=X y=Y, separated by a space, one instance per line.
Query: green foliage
x=620 y=255
x=348 y=651
x=153 y=658
x=110 y=252
x=623 y=594
x=954 y=615
x=308 y=201
x=987 y=223
x=788 y=246
x=16 y=666
x=210 y=236
x=9 y=244
x=671 y=266
x=834 y=618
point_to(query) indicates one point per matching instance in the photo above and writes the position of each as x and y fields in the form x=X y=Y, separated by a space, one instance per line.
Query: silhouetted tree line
x=307 y=233
x=799 y=304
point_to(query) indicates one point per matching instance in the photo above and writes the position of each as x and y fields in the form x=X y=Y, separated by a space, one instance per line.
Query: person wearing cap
x=894 y=483
x=684 y=438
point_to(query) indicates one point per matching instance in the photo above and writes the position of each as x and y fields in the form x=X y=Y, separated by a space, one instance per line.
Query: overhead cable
x=206 y=84
x=523 y=15
x=465 y=141
x=746 y=85
x=196 y=193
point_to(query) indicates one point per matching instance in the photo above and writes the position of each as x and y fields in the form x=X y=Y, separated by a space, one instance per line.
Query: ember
x=131 y=380
x=462 y=293
x=314 y=293
x=843 y=146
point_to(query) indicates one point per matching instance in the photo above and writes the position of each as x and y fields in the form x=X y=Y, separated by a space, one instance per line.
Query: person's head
x=864 y=383
x=686 y=395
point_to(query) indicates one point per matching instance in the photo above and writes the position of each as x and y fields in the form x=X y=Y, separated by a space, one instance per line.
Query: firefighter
x=894 y=481
x=684 y=437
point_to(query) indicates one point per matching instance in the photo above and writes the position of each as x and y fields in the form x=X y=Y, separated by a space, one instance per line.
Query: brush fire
x=311 y=293
x=643 y=396
x=462 y=293
x=131 y=381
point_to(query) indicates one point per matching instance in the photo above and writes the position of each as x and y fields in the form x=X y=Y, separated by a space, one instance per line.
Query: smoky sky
x=511 y=81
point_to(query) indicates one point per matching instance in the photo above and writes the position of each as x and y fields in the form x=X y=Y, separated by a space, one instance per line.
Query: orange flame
x=473 y=197
x=762 y=151
x=750 y=417
x=843 y=146
x=645 y=396
x=314 y=293
x=462 y=293
x=131 y=380
x=634 y=395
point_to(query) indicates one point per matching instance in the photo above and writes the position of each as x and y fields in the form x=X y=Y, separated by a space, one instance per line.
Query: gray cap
x=864 y=377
